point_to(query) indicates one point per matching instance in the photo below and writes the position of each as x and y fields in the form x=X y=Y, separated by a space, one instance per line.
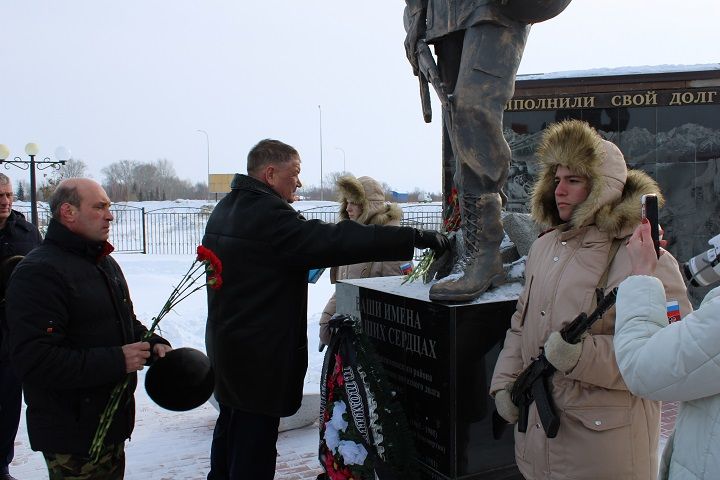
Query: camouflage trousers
x=110 y=466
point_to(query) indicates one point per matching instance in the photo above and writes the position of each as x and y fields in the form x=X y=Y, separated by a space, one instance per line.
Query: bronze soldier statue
x=478 y=44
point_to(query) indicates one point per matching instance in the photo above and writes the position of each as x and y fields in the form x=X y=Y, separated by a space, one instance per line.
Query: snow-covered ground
x=173 y=445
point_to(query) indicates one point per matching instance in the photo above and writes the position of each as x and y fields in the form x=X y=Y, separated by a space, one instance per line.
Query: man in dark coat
x=256 y=333
x=75 y=342
x=479 y=45
x=17 y=237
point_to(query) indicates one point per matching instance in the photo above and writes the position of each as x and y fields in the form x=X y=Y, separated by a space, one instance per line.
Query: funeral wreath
x=363 y=431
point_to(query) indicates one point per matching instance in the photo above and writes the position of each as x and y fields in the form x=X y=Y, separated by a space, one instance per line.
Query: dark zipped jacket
x=69 y=313
x=256 y=334
x=17 y=237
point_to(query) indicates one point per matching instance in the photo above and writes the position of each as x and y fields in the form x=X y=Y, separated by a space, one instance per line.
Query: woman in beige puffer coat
x=362 y=200
x=605 y=431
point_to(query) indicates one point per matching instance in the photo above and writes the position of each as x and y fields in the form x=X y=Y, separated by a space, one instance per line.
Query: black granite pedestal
x=440 y=359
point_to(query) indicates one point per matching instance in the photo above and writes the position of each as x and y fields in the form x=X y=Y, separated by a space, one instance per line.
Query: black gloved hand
x=433 y=240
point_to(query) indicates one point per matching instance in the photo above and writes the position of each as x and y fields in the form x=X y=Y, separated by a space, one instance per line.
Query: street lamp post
x=343 y=152
x=31 y=149
x=207 y=143
x=321 y=170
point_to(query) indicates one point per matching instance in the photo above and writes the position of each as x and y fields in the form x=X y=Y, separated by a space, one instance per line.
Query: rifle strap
x=602 y=283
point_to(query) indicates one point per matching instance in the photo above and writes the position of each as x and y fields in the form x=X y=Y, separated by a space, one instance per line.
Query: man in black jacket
x=72 y=346
x=17 y=237
x=256 y=333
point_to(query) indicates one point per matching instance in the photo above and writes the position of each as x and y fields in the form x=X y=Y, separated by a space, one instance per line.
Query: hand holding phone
x=650 y=212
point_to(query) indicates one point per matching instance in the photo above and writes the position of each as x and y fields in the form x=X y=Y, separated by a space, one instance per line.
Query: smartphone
x=650 y=211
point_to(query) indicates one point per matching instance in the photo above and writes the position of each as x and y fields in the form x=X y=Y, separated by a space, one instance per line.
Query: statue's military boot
x=480 y=267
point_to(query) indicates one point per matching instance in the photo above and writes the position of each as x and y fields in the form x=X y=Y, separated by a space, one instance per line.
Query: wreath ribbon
x=355 y=389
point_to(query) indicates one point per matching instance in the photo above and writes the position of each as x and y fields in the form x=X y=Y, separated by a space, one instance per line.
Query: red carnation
x=334 y=471
x=208 y=257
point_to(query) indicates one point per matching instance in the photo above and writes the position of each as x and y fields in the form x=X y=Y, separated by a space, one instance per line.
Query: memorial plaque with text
x=439 y=358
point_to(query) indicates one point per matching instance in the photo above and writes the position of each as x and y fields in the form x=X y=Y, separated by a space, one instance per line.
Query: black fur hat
x=182 y=380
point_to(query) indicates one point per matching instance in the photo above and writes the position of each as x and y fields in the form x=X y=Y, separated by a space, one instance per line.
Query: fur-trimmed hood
x=369 y=193
x=613 y=203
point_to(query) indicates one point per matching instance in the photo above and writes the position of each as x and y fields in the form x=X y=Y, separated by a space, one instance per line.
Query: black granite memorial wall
x=666 y=123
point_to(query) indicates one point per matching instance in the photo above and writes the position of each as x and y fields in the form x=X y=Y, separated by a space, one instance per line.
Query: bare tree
x=118 y=179
x=146 y=180
x=131 y=180
x=73 y=168
x=167 y=178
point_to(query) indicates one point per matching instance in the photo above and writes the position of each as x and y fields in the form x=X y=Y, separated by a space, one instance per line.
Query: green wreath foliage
x=391 y=451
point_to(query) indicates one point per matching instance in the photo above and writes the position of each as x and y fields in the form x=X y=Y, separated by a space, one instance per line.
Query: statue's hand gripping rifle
x=532 y=383
x=429 y=73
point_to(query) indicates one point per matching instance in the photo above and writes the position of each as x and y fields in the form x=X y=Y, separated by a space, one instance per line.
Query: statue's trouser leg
x=449 y=54
x=485 y=82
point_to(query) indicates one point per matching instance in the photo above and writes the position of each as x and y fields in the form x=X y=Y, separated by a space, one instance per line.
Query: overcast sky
x=136 y=79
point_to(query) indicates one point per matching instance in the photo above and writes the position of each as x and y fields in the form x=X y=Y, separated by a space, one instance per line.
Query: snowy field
x=179 y=205
x=173 y=445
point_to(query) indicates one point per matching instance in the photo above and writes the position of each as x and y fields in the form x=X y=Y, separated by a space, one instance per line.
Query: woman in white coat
x=675 y=362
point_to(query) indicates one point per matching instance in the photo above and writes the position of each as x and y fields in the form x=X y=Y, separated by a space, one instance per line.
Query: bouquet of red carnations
x=206 y=265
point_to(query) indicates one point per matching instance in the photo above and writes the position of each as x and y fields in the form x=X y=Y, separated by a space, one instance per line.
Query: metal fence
x=426 y=216
x=179 y=230
x=175 y=230
x=128 y=232
x=42 y=211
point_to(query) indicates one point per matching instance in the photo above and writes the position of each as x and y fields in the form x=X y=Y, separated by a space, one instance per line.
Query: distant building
x=398 y=197
x=220 y=184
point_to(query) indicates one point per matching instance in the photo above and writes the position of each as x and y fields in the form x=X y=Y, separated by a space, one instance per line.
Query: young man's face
x=284 y=178
x=92 y=219
x=6 y=201
x=570 y=191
